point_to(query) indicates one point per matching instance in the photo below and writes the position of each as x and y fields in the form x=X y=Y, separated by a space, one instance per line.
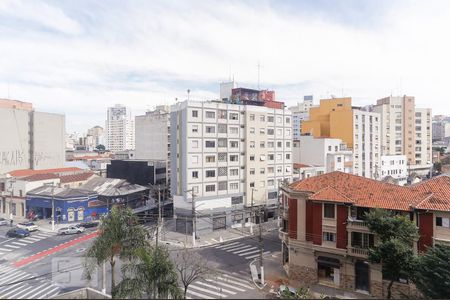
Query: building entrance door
x=362 y=276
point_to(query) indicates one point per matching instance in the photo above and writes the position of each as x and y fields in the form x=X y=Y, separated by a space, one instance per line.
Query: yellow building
x=332 y=119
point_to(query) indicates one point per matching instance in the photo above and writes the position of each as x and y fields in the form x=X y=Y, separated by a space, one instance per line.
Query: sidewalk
x=171 y=237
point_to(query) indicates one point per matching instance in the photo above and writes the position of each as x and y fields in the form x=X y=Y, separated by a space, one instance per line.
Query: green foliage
x=119 y=236
x=432 y=272
x=395 y=248
x=100 y=147
x=151 y=275
x=300 y=293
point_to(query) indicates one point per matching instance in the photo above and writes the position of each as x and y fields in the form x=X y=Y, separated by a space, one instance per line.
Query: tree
x=100 y=147
x=119 y=236
x=151 y=275
x=432 y=272
x=300 y=293
x=395 y=248
x=191 y=267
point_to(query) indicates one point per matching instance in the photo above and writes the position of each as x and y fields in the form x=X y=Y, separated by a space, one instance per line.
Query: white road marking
x=20 y=291
x=39 y=292
x=20 y=285
x=48 y=293
x=226 y=285
x=221 y=246
x=237 y=248
x=238 y=281
x=193 y=286
x=244 y=250
x=232 y=247
x=249 y=252
x=214 y=240
x=31 y=239
x=216 y=288
x=18 y=243
x=256 y=255
x=12 y=246
x=51 y=294
x=201 y=296
x=26 y=241
x=3 y=249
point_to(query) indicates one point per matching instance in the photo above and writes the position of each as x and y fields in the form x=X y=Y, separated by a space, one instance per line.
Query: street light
x=251 y=212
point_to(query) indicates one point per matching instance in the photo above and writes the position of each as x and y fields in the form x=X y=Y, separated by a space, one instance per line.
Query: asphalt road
x=62 y=271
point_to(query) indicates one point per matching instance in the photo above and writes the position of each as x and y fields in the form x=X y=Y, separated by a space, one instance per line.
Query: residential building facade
x=30 y=139
x=406 y=130
x=325 y=239
x=230 y=157
x=394 y=166
x=300 y=113
x=120 y=135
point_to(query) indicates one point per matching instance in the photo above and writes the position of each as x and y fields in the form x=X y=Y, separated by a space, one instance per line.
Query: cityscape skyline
x=78 y=63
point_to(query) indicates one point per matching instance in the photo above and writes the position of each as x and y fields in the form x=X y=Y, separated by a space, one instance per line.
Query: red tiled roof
x=76 y=177
x=29 y=172
x=437 y=190
x=39 y=177
x=330 y=194
x=361 y=191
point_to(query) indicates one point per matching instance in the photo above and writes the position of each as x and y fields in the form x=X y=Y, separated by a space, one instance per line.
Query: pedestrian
x=11 y=222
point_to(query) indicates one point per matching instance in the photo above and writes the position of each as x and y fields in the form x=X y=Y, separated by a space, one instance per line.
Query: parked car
x=17 y=232
x=73 y=229
x=30 y=226
x=3 y=221
x=88 y=224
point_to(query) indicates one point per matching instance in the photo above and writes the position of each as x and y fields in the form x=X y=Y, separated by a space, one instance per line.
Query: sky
x=79 y=57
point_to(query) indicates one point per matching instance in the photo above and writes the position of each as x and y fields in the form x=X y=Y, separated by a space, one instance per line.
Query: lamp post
x=251 y=212
x=194 y=218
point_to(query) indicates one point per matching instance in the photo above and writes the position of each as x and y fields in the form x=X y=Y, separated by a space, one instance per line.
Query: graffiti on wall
x=42 y=158
x=12 y=158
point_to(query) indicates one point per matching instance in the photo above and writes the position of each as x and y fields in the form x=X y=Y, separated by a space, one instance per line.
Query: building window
x=195 y=159
x=328 y=210
x=222 y=114
x=222 y=128
x=222 y=157
x=195 y=113
x=234 y=144
x=262 y=118
x=279 y=144
x=252 y=184
x=270 y=144
x=210 y=173
x=270 y=170
x=329 y=237
x=234 y=130
x=194 y=128
x=252 y=157
x=262 y=171
x=222 y=186
x=222 y=171
x=211 y=129
x=271 y=157
x=288 y=120
x=252 y=130
x=262 y=131
x=210 y=144
x=234 y=116
x=252 y=117
x=252 y=144
x=270 y=131
x=443 y=222
x=234 y=186
x=237 y=200
x=271 y=182
x=234 y=172
x=252 y=171
x=210 y=188
x=262 y=144
x=233 y=158
x=210 y=115
x=339 y=159
x=270 y=119
x=194 y=174
x=195 y=144
x=288 y=156
x=210 y=159
x=222 y=143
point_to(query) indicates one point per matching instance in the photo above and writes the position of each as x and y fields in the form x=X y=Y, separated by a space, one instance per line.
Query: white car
x=73 y=229
x=3 y=221
x=30 y=226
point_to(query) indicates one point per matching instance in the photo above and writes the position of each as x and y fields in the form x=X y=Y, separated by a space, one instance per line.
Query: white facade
x=366 y=143
x=331 y=154
x=226 y=89
x=300 y=113
x=119 y=129
x=394 y=166
x=227 y=153
x=153 y=135
x=30 y=139
x=98 y=136
x=406 y=130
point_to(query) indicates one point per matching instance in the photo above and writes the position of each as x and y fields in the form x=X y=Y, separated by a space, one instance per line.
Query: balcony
x=358 y=252
x=358 y=225
x=284 y=236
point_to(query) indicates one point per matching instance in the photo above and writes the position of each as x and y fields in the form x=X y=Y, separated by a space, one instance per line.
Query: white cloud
x=148 y=52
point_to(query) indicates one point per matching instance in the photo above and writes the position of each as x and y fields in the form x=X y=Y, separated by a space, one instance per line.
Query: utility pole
x=261 y=247
x=11 y=201
x=194 y=217
x=53 y=208
x=252 y=213
x=159 y=215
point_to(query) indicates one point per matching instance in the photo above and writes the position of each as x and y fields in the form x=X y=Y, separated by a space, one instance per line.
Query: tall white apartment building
x=366 y=143
x=119 y=129
x=300 y=113
x=395 y=167
x=406 y=130
x=230 y=157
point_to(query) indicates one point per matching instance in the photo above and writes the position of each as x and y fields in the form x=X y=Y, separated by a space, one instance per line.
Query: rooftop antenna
x=188 y=92
x=259 y=71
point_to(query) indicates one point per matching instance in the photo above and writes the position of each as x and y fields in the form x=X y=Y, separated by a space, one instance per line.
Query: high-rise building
x=98 y=135
x=153 y=134
x=358 y=129
x=406 y=130
x=119 y=129
x=230 y=157
x=300 y=113
x=30 y=139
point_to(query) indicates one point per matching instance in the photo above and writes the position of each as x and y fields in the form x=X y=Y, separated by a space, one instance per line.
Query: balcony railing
x=361 y=252
x=282 y=235
x=357 y=223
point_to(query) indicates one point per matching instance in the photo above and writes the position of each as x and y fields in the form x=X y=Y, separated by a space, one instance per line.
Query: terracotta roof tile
x=437 y=193
x=39 y=177
x=299 y=166
x=29 y=172
x=330 y=194
x=76 y=177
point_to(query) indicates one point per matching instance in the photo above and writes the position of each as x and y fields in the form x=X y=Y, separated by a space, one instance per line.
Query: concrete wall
x=152 y=136
x=49 y=140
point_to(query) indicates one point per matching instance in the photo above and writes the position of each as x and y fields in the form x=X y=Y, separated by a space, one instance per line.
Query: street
x=24 y=273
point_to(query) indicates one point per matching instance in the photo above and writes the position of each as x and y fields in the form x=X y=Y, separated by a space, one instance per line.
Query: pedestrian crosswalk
x=223 y=285
x=245 y=251
x=17 y=284
x=15 y=243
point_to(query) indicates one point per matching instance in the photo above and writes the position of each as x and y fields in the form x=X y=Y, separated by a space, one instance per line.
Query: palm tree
x=150 y=275
x=119 y=237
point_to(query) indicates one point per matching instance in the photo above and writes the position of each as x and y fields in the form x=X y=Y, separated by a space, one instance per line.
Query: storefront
x=329 y=271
